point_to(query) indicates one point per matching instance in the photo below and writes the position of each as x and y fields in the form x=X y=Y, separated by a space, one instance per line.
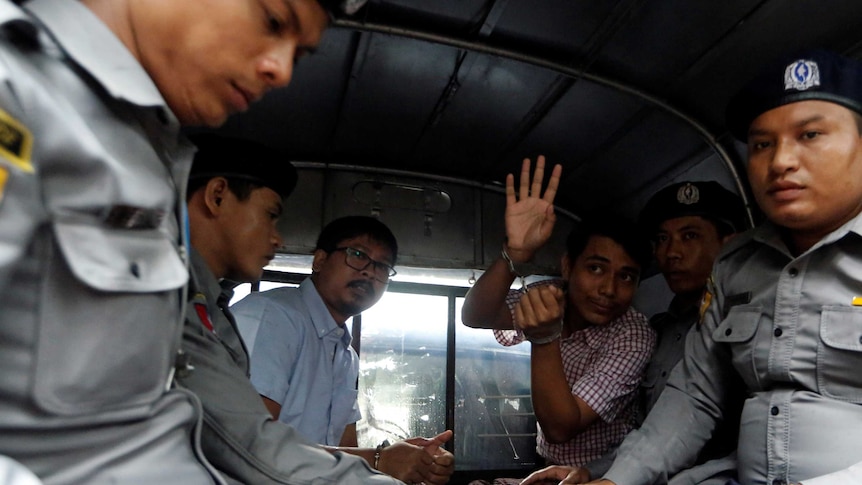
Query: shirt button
x=135 y=270
x=793 y=272
x=678 y=336
x=774 y=412
x=728 y=332
x=663 y=373
x=777 y=332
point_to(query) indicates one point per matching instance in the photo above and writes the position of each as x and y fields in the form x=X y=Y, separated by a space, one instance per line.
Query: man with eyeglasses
x=302 y=363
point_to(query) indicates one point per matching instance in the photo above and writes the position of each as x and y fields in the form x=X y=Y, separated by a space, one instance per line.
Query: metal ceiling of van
x=628 y=95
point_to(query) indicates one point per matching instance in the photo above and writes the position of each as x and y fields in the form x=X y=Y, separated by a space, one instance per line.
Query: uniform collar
x=682 y=309
x=203 y=280
x=94 y=47
x=771 y=235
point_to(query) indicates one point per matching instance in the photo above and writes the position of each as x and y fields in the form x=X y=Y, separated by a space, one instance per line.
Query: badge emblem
x=4 y=176
x=688 y=194
x=16 y=142
x=801 y=75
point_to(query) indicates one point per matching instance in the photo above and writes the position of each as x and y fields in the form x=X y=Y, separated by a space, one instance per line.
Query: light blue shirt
x=301 y=358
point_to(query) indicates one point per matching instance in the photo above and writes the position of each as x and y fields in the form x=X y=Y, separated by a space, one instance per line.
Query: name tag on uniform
x=737 y=299
x=734 y=300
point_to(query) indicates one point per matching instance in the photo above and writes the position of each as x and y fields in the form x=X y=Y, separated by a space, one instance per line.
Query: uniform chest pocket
x=109 y=318
x=739 y=326
x=121 y=260
x=839 y=355
x=738 y=331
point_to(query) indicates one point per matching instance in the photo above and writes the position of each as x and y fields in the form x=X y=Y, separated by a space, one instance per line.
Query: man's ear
x=216 y=190
x=319 y=258
x=726 y=239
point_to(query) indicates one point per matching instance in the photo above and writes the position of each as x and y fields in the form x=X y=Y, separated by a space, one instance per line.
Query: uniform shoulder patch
x=4 y=176
x=16 y=142
x=706 y=300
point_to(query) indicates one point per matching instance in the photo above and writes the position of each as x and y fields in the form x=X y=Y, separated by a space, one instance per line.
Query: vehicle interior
x=415 y=111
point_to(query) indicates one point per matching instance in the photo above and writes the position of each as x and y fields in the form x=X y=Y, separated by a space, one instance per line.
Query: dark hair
x=620 y=230
x=241 y=188
x=352 y=226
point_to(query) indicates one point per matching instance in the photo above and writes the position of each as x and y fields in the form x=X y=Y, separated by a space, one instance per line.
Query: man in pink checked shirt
x=589 y=347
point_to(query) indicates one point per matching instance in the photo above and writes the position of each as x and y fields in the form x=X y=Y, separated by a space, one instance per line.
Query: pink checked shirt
x=604 y=366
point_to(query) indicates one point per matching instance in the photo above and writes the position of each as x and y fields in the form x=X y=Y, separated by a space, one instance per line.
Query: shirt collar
x=770 y=234
x=322 y=320
x=94 y=47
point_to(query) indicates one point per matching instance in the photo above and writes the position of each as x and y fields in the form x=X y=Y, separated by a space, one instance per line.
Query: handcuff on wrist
x=378 y=451
x=547 y=339
x=512 y=269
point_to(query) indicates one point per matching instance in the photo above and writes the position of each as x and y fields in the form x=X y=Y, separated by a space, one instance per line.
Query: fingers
x=538 y=176
x=553 y=184
x=510 y=190
x=441 y=470
x=525 y=180
x=539 y=306
x=532 y=186
x=444 y=436
x=432 y=445
x=547 y=473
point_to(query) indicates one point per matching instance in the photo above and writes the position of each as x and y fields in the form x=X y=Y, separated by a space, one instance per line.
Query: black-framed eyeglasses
x=358 y=260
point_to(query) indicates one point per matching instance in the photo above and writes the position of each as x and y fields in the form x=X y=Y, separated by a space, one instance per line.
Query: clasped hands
x=539 y=313
x=419 y=460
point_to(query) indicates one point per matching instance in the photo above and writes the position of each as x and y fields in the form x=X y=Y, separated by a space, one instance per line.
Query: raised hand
x=530 y=215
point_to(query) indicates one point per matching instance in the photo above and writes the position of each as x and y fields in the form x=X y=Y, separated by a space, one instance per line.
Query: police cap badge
x=811 y=75
x=705 y=199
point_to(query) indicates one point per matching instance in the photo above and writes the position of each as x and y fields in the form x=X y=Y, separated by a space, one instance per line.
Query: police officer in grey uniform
x=784 y=315
x=93 y=261
x=233 y=213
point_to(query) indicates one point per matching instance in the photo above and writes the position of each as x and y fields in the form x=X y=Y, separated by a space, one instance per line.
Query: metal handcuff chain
x=533 y=340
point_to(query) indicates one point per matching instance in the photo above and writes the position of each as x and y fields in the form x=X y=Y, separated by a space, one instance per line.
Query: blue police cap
x=220 y=156
x=705 y=199
x=811 y=75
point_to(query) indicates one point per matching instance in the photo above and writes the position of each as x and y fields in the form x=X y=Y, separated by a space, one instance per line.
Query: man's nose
x=785 y=157
x=277 y=66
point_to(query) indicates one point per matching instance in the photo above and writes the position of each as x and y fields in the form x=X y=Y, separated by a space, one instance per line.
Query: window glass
x=495 y=424
x=402 y=370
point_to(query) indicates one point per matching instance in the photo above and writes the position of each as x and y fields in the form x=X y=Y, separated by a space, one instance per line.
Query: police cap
x=811 y=75
x=706 y=199
x=236 y=158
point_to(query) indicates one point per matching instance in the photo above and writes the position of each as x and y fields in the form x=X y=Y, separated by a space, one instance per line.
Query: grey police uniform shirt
x=787 y=331
x=239 y=436
x=91 y=266
x=718 y=465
